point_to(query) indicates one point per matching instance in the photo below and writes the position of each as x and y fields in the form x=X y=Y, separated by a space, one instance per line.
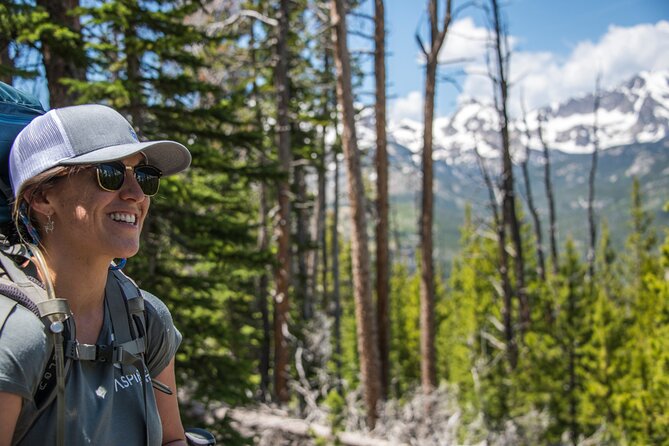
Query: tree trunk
x=262 y=284
x=592 y=224
x=552 y=219
x=317 y=231
x=302 y=290
x=507 y=289
x=364 y=308
x=261 y=295
x=427 y=328
x=63 y=58
x=6 y=62
x=382 y=256
x=283 y=273
x=336 y=297
x=541 y=264
x=134 y=78
x=427 y=348
x=509 y=216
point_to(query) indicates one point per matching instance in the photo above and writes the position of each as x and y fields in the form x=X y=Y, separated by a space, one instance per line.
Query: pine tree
x=198 y=246
x=640 y=400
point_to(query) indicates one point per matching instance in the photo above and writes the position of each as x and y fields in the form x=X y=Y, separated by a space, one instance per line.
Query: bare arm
x=11 y=407
x=168 y=408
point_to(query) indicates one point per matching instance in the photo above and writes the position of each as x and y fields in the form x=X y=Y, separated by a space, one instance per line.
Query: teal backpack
x=17 y=109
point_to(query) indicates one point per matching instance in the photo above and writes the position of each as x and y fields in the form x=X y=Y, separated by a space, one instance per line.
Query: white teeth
x=127 y=218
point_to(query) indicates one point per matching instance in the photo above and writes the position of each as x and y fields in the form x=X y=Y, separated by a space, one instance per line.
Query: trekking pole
x=57 y=311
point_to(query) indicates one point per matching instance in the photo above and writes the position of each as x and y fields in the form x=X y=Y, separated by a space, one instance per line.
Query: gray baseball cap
x=85 y=134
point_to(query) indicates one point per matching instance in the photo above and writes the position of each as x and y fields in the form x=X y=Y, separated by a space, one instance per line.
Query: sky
x=559 y=47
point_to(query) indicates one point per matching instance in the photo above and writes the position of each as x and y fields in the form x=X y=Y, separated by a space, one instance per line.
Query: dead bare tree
x=509 y=217
x=427 y=329
x=364 y=308
x=541 y=264
x=507 y=291
x=592 y=224
x=552 y=218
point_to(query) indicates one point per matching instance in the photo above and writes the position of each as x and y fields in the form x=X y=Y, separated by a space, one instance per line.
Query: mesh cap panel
x=42 y=144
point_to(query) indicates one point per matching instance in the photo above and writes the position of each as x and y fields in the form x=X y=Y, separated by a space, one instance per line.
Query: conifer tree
x=198 y=244
x=62 y=48
x=640 y=398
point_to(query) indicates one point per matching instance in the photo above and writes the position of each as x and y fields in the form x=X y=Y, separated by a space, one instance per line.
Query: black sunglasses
x=111 y=176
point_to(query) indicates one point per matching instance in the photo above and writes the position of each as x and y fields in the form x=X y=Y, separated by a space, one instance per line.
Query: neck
x=80 y=280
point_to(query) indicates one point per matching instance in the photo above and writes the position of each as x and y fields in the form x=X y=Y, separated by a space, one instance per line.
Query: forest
x=275 y=251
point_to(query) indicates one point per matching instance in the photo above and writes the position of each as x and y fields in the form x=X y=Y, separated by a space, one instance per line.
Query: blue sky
x=559 y=46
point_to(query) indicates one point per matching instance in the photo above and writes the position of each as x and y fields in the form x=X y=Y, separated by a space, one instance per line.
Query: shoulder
x=20 y=322
x=162 y=336
x=156 y=309
x=24 y=349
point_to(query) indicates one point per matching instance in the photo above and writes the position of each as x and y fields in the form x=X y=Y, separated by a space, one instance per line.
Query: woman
x=82 y=183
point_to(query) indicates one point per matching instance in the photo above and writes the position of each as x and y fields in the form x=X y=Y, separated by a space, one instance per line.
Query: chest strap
x=126 y=310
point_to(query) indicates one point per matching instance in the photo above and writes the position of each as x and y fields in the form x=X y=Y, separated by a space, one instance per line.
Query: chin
x=126 y=252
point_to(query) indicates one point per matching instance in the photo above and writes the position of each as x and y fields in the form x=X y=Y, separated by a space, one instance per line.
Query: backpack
x=17 y=109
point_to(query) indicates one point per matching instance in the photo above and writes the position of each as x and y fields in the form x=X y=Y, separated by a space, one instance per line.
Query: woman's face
x=91 y=222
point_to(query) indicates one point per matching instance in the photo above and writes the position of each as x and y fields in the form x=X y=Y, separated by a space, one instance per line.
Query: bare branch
x=451 y=80
x=360 y=34
x=447 y=20
x=217 y=26
x=361 y=15
x=421 y=45
x=456 y=61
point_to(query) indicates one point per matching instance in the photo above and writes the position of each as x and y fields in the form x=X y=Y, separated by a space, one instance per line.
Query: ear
x=38 y=201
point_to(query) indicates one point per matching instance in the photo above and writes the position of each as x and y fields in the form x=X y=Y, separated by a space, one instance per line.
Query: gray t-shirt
x=103 y=406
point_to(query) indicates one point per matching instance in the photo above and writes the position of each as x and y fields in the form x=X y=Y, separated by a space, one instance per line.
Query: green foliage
x=405 y=341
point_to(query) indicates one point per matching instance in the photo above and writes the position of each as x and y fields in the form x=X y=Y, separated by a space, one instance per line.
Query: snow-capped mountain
x=634 y=112
x=633 y=138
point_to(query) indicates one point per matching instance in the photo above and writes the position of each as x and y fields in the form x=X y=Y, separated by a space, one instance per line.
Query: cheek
x=145 y=208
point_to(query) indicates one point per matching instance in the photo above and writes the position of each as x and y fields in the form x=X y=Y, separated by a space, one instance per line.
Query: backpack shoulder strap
x=18 y=288
x=126 y=292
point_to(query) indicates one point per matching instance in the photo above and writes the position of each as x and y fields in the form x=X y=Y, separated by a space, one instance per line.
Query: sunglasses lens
x=110 y=176
x=148 y=178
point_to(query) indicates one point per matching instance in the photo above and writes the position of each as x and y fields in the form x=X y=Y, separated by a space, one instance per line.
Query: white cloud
x=464 y=40
x=544 y=77
x=408 y=107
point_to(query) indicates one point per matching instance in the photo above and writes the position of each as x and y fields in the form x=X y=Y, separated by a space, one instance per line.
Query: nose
x=130 y=189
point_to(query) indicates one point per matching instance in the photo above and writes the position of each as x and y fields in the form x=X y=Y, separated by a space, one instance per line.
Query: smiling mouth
x=120 y=217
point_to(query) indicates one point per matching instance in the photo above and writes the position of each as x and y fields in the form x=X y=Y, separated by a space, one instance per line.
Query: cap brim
x=168 y=156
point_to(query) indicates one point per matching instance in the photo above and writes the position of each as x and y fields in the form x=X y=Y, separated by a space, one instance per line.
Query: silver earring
x=48 y=227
